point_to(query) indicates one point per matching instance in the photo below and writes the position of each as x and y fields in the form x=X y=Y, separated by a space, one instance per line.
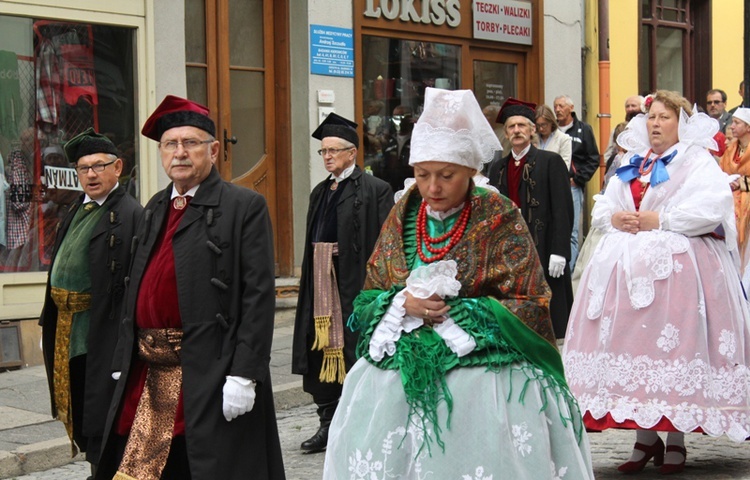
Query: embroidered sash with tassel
x=329 y=326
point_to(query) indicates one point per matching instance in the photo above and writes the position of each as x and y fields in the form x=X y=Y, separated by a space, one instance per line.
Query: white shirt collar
x=344 y=175
x=189 y=193
x=87 y=199
x=565 y=128
x=443 y=215
x=522 y=154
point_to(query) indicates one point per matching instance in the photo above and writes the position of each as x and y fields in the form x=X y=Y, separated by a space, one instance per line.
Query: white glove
x=556 y=265
x=239 y=396
x=116 y=375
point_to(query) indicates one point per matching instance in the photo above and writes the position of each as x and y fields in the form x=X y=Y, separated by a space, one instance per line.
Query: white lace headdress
x=452 y=129
x=696 y=129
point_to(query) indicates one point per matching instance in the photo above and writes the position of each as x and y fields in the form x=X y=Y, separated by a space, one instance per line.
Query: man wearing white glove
x=197 y=322
x=538 y=182
x=239 y=397
x=556 y=265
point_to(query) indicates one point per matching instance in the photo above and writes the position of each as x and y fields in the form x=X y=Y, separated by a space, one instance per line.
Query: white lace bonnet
x=696 y=129
x=452 y=129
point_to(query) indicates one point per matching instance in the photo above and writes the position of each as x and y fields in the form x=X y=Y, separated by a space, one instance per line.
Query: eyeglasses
x=98 y=168
x=189 y=144
x=713 y=102
x=333 y=151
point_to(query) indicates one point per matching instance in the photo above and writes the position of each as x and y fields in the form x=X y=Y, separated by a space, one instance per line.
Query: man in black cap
x=85 y=286
x=195 y=399
x=537 y=181
x=346 y=212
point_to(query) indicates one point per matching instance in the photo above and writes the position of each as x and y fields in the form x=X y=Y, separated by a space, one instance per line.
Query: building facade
x=270 y=70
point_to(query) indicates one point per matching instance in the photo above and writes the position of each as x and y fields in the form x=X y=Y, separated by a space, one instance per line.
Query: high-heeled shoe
x=670 y=468
x=655 y=451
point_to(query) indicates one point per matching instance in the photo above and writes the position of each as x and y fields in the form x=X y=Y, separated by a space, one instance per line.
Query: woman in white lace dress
x=658 y=336
x=459 y=376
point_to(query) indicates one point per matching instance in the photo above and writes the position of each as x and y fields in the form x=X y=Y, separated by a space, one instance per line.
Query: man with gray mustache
x=194 y=399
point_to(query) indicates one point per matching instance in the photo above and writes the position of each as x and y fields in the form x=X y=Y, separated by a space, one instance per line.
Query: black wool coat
x=585 y=153
x=109 y=259
x=361 y=210
x=547 y=207
x=224 y=265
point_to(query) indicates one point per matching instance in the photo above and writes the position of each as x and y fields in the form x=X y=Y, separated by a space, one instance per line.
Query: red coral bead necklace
x=455 y=234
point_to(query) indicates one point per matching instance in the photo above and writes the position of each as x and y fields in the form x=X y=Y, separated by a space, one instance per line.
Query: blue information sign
x=331 y=51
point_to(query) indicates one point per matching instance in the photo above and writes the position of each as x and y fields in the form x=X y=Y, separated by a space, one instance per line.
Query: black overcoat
x=361 y=210
x=547 y=207
x=109 y=259
x=224 y=265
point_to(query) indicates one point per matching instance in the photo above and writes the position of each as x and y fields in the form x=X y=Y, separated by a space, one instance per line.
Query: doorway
x=237 y=62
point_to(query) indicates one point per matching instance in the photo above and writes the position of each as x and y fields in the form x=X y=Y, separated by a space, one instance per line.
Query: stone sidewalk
x=708 y=458
x=31 y=441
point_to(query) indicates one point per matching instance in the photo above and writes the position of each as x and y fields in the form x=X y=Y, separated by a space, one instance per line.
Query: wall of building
x=726 y=43
x=21 y=294
x=727 y=17
x=563 y=31
x=300 y=128
x=307 y=164
x=169 y=75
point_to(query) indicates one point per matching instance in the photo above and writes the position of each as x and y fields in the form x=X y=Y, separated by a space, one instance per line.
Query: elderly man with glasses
x=346 y=212
x=85 y=286
x=194 y=399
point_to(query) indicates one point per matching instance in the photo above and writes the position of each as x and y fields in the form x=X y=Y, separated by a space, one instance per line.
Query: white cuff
x=460 y=342
x=389 y=329
x=663 y=221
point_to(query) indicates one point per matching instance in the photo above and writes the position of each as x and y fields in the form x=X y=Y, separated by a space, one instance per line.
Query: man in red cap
x=194 y=400
x=537 y=181
x=85 y=291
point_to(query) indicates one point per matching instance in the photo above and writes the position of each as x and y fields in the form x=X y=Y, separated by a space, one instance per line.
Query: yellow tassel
x=322 y=326
x=123 y=476
x=333 y=369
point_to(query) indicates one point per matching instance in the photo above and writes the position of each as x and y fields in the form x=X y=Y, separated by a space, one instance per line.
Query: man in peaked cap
x=346 y=212
x=194 y=399
x=85 y=287
x=537 y=181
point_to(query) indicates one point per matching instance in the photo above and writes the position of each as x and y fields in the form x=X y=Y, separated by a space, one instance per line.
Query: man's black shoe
x=316 y=443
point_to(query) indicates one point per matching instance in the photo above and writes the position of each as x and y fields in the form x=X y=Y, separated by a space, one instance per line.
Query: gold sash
x=68 y=303
x=151 y=435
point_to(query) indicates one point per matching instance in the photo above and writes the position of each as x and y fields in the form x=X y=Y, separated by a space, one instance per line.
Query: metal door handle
x=227 y=141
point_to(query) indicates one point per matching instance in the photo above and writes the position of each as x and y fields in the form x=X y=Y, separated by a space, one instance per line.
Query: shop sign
x=331 y=51
x=502 y=21
x=435 y=12
x=60 y=178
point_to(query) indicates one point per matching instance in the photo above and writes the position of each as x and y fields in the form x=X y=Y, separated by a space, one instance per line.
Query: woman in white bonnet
x=458 y=375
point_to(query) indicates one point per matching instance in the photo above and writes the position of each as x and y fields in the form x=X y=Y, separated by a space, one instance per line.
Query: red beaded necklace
x=454 y=234
x=647 y=170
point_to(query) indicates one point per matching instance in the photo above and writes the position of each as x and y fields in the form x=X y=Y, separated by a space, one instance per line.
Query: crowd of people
x=437 y=329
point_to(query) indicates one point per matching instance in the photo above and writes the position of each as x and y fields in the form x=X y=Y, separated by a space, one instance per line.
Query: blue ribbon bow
x=659 y=173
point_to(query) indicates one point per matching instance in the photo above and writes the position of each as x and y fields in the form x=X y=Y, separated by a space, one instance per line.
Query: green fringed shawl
x=422 y=357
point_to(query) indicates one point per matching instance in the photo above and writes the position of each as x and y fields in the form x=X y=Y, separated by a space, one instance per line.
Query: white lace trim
x=696 y=129
x=453 y=129
x=479 y=180
x=437 y=278
x=646 y=381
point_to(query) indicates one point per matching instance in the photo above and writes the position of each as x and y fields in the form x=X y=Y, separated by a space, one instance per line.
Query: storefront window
x=494 y=82
x=395 y=75
x=56 y=79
